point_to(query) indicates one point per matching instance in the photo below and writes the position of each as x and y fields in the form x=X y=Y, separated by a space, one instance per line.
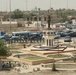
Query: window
x=54 y=32
x=47 y=42
x=51 y=32
x=39 y=18
x=44 y=32
x=48 y=32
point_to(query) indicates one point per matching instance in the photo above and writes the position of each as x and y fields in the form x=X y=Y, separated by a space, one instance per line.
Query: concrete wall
x=8 y=22
x=35 y=62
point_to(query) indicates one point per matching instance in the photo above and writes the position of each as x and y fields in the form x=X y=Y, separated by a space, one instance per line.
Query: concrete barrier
x=35 y=62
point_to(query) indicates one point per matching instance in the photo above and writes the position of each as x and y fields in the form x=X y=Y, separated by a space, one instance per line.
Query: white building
x=74 y=21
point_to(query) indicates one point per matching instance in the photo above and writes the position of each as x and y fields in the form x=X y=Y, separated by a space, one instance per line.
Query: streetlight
x=6 y=6
x=26 y=5
x=50 y=4
x=10 y=13
x=36 y=17
x=67 y=4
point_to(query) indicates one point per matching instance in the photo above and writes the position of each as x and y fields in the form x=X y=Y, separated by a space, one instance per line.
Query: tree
x=17 y=14
x=54 y=67
x=64 y=17
x=4 y=50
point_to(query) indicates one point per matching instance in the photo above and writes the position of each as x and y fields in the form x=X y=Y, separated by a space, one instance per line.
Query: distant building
x=7 y=25
x=74 y=21
x=43 y=17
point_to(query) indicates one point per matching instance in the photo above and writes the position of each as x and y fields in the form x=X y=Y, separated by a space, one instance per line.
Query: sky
x=31 y=4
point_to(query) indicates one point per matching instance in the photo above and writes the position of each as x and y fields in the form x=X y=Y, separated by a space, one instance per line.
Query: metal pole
x=50 y=4
x=6 y=6
x=67 y=4
x=58 y=46
x=36 y=16
x=26 y=5
x=10 y=13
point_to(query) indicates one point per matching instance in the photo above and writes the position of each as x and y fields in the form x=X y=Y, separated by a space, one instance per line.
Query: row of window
x=35 y=19
x=48 y=32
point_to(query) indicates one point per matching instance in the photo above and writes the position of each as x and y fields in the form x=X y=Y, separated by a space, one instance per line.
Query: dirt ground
x=45 y=72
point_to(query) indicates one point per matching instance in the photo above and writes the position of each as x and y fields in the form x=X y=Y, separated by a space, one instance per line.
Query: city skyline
x=31 y=4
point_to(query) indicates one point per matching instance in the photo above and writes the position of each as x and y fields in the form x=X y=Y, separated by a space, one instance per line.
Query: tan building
x=43 y=17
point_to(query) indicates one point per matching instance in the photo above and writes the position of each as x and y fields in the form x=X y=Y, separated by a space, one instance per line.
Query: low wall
x=35 y=62
x=3 y=57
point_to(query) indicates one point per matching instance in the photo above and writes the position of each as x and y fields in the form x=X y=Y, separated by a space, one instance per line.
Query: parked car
x=66 y=33
x=67 y=39
x=57 y=37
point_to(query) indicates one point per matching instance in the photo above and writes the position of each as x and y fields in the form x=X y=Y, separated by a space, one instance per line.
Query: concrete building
x=43 y=17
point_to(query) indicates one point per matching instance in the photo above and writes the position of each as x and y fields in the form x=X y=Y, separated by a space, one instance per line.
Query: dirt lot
x=45 y=72
x=49 y=72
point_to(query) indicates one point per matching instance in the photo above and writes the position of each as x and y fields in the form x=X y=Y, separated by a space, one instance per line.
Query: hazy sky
x=31 y=4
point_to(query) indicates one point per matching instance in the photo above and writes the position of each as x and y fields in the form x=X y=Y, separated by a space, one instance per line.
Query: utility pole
x=67 y=4
x=10 y=13
x=6 y=6
x=26 y=5
x=36 y=17
x=50 y=4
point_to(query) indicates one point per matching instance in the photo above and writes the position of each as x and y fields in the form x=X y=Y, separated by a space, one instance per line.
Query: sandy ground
x=45 y=72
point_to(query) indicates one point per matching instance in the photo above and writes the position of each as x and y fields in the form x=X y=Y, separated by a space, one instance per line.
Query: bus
x=26 y=34
x=20 y=33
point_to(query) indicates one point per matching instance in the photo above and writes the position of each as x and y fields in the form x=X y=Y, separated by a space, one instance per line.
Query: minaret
x=49 y=34
x=48 y=20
